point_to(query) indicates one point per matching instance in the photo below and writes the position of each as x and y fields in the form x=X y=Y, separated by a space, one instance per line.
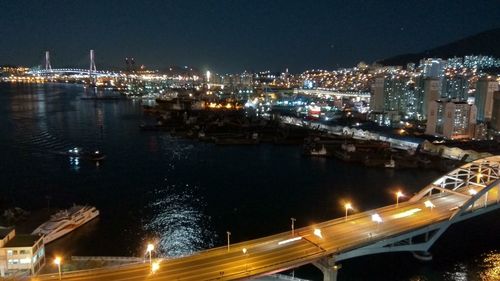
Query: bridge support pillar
x=423 y=256
x=328 y=267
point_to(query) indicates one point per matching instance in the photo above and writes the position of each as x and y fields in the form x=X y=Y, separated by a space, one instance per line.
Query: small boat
x=75 y=152
x=79 y=152
x=95 y=156
x=390 y=164
x=65 y=221
x=321 y=152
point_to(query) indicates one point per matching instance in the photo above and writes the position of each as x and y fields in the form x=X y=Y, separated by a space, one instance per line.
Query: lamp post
x=398 y=194
x=57 y=261
x=149 y=249
x=293 y=226
x=347 y=206
x=228 y=241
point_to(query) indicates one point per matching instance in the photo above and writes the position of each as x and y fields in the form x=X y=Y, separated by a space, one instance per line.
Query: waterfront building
x=451 y=119
x=23 y=252
x=483 y=100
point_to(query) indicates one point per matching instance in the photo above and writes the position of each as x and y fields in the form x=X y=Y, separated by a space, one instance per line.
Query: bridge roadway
x=283 y=251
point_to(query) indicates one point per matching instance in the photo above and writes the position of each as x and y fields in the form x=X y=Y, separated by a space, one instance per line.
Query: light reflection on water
x=178 y=222
x=490 y=266
x=459 y=273
x=40 y=120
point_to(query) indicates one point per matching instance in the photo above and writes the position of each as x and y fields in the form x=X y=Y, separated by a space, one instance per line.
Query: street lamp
x=398 y=194
x=244 y=250
x=293 y=225
x=149 y=249
x=57 y=261
x=228 y=241
x=347 y=207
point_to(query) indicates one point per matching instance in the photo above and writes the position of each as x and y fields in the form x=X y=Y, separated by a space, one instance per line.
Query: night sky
x=233 y=36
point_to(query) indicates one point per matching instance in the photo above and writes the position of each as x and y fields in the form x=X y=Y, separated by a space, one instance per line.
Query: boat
x=65 y=221
x=390 y=164
x=321 y=152
x=79 y=152
x=95 y=156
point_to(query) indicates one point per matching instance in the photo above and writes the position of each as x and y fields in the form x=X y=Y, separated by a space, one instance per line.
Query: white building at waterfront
x=20 y=253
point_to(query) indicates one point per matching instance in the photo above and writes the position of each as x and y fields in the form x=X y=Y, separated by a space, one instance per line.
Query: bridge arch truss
x=477 y=182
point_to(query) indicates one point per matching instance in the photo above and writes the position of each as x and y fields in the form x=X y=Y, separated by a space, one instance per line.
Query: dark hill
x=484 y=43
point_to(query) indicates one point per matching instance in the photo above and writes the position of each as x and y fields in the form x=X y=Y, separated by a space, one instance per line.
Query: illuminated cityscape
x=238 y=140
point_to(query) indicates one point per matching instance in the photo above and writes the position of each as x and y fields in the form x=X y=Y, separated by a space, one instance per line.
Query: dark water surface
x=185 y=194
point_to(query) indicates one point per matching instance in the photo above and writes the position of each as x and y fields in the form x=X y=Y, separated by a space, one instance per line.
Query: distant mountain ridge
x=484 y=43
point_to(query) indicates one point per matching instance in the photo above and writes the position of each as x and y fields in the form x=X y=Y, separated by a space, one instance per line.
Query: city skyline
x=233 y=36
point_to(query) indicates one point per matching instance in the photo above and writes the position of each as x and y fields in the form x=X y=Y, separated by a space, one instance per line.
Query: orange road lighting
x=429 y=204
x=407 y=213
x=472 y=191
x=376 y=218
x=317 y=232
x=155 y=266
x=289 y=240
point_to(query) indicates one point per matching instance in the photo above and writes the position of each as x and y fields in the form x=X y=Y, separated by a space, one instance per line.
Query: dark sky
x=234 y=35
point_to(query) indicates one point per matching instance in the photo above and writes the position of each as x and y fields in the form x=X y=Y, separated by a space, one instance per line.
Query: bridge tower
x=92 y=63
x=48 y=67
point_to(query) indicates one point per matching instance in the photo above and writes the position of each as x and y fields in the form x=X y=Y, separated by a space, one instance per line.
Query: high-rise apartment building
x=433 y=67
x=455 y=87
x=495 y=113
x=451 y=119
x=485 y=88
x=431 y=93
x=377 y=94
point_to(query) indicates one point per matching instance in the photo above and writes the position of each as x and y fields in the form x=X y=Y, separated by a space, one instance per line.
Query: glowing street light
x=293 y=225
x=58 y=261
x=244 y=250
x=347 y=207
x=150 y=249
x=429 y=204
x=228 y=241
x=398 y=194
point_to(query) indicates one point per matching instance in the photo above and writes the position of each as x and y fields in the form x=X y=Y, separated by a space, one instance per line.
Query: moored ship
x=65 y=221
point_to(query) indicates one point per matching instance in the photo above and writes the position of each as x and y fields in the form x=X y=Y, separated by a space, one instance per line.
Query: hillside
x=484 y=43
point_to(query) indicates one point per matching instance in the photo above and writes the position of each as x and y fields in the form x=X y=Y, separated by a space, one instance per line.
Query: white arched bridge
x=414 y=226
x=50 y=72
x=71 y=72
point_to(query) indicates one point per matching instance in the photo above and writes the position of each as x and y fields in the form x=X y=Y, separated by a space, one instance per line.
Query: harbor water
x=184 y=194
